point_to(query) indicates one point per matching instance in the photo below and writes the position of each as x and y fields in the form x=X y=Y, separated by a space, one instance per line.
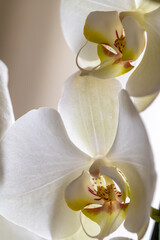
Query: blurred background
x=33 y=48
x=39 y=61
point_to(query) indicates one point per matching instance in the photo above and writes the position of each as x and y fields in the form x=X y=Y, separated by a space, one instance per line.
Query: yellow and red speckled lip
x=99 y=199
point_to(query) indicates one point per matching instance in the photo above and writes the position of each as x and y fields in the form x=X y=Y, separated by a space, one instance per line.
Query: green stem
x=155 y=214
x=156 y=232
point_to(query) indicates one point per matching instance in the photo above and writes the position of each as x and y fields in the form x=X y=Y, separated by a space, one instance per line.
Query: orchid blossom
x=91 y=163
x=114 y=38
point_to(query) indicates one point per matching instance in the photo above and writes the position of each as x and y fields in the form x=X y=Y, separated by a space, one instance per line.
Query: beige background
x=33 y=47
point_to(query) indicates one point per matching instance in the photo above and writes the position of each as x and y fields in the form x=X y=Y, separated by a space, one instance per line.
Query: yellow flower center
x=109 y=193
x=120 y=42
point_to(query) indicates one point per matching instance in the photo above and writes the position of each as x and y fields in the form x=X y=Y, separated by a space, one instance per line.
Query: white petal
x=77 y=193
x=43 y=211
x=142 y=103
x=6 y=110
x=75 y=12
x=142 y=232
x=79 y=235
x=147 y=6
x=135 y=39
x=88 y=55
x=131 y=153
x=89 y=108
x=145 y=79
x=9 y=230
x=38 y=161
x=37 y=151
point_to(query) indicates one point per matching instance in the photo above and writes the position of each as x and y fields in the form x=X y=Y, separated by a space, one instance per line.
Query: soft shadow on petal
x=131 y=153
x=11 y=231
x=6 y=110
x=145 y=79
x=75 y=12
x=143 y=230
x=89 y=108
x=135 y=39
x=79 y=235
x=142 y=103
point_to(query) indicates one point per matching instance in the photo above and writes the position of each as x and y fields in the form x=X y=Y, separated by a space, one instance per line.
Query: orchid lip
x=98 y=195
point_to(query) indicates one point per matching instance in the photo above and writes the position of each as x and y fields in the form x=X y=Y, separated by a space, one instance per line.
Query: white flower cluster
x=80 y=172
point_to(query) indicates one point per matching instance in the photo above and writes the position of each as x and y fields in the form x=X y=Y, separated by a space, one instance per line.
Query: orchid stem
x=156 y=232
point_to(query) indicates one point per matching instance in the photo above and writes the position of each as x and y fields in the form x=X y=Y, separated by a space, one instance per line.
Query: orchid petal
x=38 y=141
x=89 y=109
x=147 y=6
x=135 y=39
x=131 y=153
x=109 y=219
x=78 y=193
x=143 y=230
x=43 y=211
x=103 y=27
x=6 y=110
x=110 y=69
x=142 y=103
x=75 y=12
x=145 y=80
x=80 y=234
x=9 y=230
x=88 y=55
x=38 y=161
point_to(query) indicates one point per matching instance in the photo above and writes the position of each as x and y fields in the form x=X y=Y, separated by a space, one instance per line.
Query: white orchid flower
x=102 y=159
x=8 y=230
x=118 y=33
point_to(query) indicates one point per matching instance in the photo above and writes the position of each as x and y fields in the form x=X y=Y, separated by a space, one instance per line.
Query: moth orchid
x=114 y=38
x=91 y=163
